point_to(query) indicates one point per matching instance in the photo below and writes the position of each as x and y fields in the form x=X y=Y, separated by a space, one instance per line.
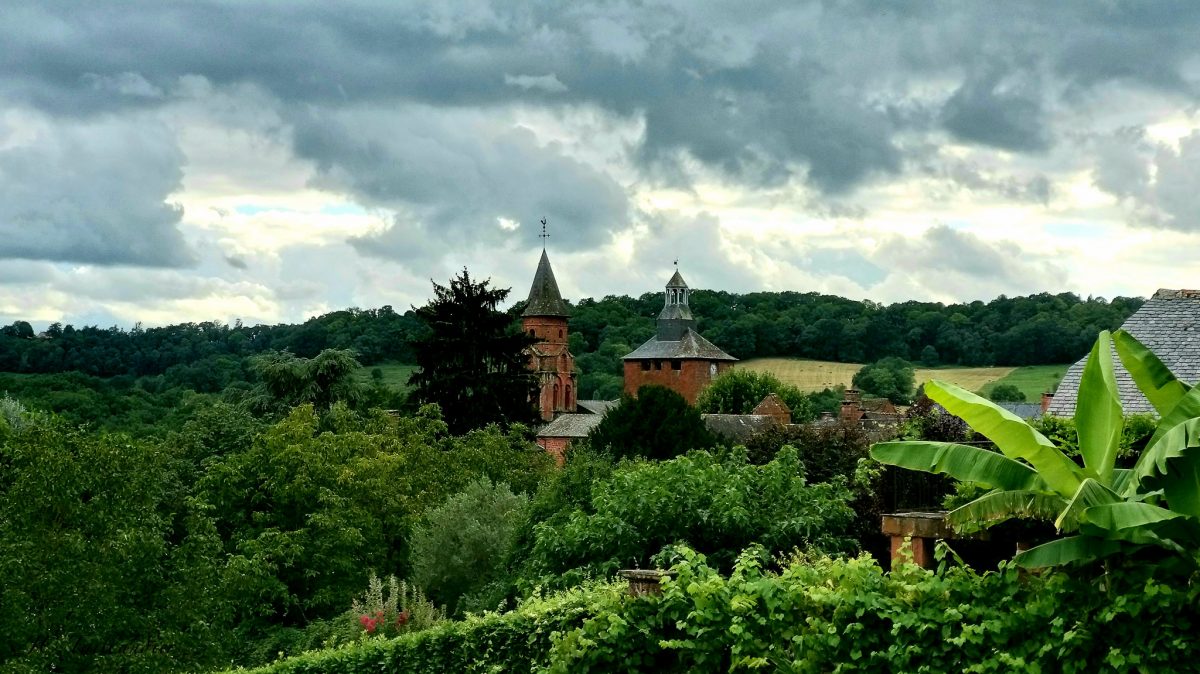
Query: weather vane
x=544 y=235
x=676 y=263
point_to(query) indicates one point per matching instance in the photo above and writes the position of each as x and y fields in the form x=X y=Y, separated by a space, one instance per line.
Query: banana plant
x=1103 y=509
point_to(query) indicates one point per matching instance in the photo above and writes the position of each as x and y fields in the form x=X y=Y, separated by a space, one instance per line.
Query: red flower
x=402 y=618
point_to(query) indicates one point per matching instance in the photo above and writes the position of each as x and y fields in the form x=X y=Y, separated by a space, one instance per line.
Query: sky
x=273 y=161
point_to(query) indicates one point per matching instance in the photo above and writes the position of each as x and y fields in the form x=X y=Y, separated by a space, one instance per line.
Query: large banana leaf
x=1187 y=408
x=1154 y=379
x=961 y=462
x=1066 y=550
x=1141 y=523
x=1091 y=494
x=1015 y=438
x=998 y=506
x=1170 y=444
x=1098 y=415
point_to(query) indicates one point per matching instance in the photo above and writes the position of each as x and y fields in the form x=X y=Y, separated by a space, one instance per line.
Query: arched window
x=568 y=400
x=560 y=334
x=556 y=395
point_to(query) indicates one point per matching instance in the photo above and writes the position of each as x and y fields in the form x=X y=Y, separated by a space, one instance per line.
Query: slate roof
x=1023 y=410
x=738 y=427
x=1169 y=324
x=691 y=346
x=544 y=298
x=596 y=406
x=571 y=426
x=677 y=281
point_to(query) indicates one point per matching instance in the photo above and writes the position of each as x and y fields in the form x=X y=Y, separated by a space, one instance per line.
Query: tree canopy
x=473 y=361
x=890 y=378
x=657 y=424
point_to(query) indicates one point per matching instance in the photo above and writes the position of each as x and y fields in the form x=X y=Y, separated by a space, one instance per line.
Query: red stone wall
x=553 y=363
x=692 y=377
x=557 y=447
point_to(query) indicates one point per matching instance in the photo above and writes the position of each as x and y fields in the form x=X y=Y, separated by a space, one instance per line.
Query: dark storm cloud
x=763 y=93
x=93 y=192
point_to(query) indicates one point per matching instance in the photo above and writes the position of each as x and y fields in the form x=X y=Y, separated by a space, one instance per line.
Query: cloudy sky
x=164 y=162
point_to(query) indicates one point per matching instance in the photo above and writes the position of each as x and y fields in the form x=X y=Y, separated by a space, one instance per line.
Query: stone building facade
x=676 y=357
x=545 y=319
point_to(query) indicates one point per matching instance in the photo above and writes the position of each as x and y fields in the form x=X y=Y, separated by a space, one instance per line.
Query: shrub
x=461 y=546
x=402 y=608
x=739 y=391
x=716 y=506
x=890 y=378
x=1007 y=393
x=658 y=424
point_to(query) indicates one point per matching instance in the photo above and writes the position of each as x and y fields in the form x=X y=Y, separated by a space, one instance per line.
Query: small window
x=531 y=333
x=645 y=365
x=560 y=334
x=658 y=365
x=677 y=365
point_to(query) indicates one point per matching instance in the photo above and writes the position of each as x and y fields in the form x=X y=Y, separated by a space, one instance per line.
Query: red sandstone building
x=676 y=357
x=545 y=318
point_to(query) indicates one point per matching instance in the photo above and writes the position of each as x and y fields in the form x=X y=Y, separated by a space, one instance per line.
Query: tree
x=890 y=378
x=462 y=545
x=473 y=360
x=658 y=424
x=740 y=390
x=1007 y=393
x=286 y=381
x=929 y=356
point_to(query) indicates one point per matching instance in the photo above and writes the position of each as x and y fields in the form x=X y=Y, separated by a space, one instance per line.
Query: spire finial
x=676 y=264
x=544 y=235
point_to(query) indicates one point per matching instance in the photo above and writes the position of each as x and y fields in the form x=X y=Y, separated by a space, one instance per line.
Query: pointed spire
x=544 y=298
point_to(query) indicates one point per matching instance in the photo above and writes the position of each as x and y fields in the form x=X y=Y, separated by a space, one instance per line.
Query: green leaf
x=1122 y=516
x=1164 y=446
x=999 y=506
x=1152 y=377
x=961 y=462
x=1098 y=416
x=1187 y=408
x=1066 y=550
x=1015 y=438
x=1091 y=493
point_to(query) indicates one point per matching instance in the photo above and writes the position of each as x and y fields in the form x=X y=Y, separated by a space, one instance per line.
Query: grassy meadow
x=815 y=375
x=395 y=375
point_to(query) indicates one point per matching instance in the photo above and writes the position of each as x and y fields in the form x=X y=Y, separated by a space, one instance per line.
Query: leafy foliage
x=738 y=391
x=891 y=378
x=718 y=506
x=286 y=381
x=389 y=612
x=1157 y=502
x=1006 y=393
x=472 y=358
x=460 y=547
x=658 y=424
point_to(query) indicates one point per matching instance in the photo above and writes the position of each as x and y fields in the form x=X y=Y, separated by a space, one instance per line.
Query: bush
x=739 y=391
x=827 y=615
x=517 y=641
x=1007 y=393
x=399 y=610
x=461 y=546
x=658 y=424
x=890 y=378
x=716 y=506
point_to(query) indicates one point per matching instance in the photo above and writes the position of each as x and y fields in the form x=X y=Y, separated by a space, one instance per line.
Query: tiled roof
x=571 y=426
x=544 y=298
x=738 y=427
x=596 y=406
x=771 y=405
x=691 y=346
x=1023 y=410
x=1169 y=325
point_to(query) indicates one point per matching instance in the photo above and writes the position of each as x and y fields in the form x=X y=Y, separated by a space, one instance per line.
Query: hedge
x=821 y=615
x=515 y=641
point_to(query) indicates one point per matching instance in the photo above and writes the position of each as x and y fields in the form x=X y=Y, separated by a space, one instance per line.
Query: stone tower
x=676 y=357
x=545 y=319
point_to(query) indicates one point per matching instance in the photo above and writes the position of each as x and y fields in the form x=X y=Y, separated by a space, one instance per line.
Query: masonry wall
x=556 y=447
x=692 y=377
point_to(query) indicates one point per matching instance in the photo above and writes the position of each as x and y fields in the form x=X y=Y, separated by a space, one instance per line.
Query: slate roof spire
x=544 y=298
x=675 y=319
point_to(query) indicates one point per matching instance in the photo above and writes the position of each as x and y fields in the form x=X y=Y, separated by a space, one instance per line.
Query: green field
x=815 y=375
x=1033 y=380
x=395 y=375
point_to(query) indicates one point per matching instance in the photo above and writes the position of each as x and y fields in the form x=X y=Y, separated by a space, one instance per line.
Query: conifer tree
x=472 y=359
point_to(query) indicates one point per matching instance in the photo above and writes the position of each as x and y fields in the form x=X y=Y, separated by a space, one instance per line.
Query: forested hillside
x=1031 y=330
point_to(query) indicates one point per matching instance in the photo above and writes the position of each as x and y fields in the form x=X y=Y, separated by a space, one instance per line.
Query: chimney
x=1047 y=398
x=851 y=405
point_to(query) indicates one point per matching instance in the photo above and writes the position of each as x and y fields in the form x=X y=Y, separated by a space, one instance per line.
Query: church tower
x=676 y=357
x=545 y=319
